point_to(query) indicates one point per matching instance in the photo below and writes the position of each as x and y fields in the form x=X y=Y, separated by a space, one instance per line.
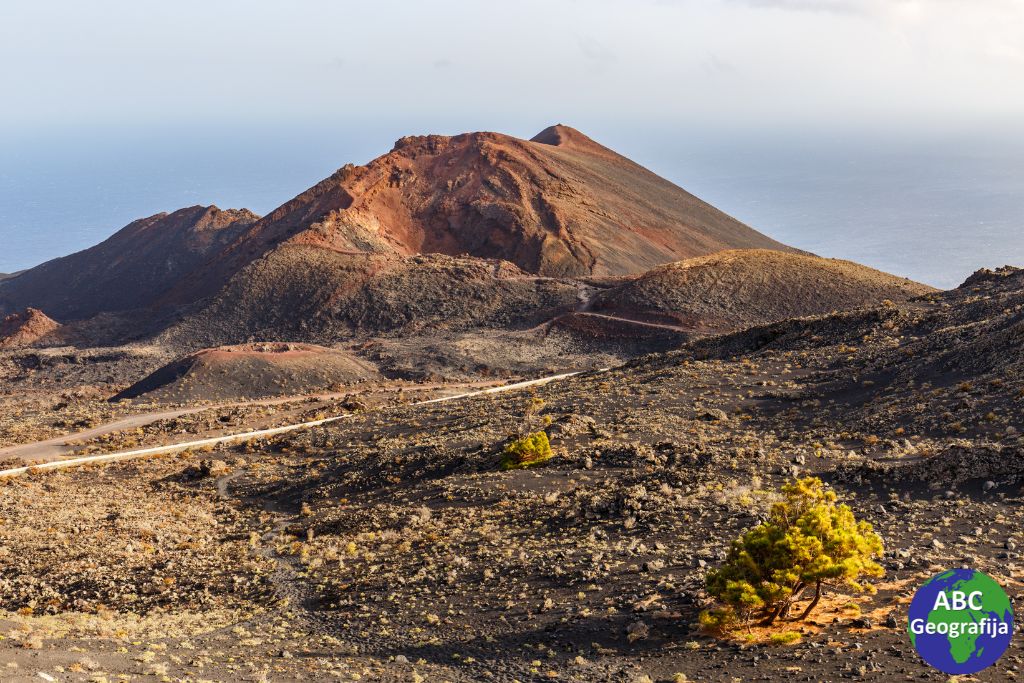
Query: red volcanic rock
x=557 y=205
x=26 y=328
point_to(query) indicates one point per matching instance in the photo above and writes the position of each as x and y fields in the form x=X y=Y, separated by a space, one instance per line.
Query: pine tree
x=809 y=542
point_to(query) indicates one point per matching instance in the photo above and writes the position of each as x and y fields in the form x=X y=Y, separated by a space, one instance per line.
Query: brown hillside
x=304 y=293
x=26 y=328
x=128 y=270
x=251 y=371
x=740 y=288
x=557 y=205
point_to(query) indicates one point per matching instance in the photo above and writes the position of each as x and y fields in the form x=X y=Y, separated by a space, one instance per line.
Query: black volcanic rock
x=735 y=289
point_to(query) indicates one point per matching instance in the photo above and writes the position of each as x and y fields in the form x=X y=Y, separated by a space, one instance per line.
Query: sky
x=464 y=62
x=117 y=109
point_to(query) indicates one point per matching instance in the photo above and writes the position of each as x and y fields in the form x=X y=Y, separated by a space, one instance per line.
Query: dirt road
x=630 y=321
x=58 y=446
x=62 y=445
x=247 y=436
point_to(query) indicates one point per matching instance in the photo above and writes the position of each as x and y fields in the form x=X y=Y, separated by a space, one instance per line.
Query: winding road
x=246 y=436
x=587 y=296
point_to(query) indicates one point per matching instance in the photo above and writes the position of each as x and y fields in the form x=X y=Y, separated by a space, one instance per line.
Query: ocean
x=933 y=210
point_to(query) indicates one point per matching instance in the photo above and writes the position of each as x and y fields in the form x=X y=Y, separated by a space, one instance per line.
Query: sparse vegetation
x=392 y=535
x=809 y=542
x=527 y=451
x=785 y=638
x=530 y=446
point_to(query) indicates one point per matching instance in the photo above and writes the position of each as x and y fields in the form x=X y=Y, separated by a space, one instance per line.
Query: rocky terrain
x=700 y=365
x=251 y=371
x=29 y=327
x=389 y=546
x=735 y=289
x=358 y=296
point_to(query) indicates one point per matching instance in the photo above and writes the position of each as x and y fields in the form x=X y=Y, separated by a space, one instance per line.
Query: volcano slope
x=423 y=317
x=342 y=296
x=130 y=269
x=251 y=371
x=390 y=546
x=430 y=315
x=736 y=289
x=559 y=205
x=29 y=327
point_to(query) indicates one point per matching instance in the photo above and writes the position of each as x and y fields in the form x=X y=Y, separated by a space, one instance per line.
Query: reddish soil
x=26 y=328
x=557 y=205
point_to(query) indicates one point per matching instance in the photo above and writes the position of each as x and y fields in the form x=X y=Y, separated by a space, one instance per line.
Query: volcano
x=557 y=205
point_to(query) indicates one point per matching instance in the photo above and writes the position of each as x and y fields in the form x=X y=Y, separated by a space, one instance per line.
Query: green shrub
x=785 y=638
x=527 y=451
x=717 y=620
x=808 y=542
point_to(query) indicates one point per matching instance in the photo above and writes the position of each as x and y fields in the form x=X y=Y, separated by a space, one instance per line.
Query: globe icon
x=960 y=621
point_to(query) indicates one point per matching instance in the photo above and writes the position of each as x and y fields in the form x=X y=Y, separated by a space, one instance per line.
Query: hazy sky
x=452 y=63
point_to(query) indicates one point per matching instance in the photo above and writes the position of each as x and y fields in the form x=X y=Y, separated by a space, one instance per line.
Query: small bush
x=785 y=638
x=527 y=451
x=809 y=542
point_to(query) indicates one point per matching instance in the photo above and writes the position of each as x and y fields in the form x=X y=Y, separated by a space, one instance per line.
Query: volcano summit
x=559 y=205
